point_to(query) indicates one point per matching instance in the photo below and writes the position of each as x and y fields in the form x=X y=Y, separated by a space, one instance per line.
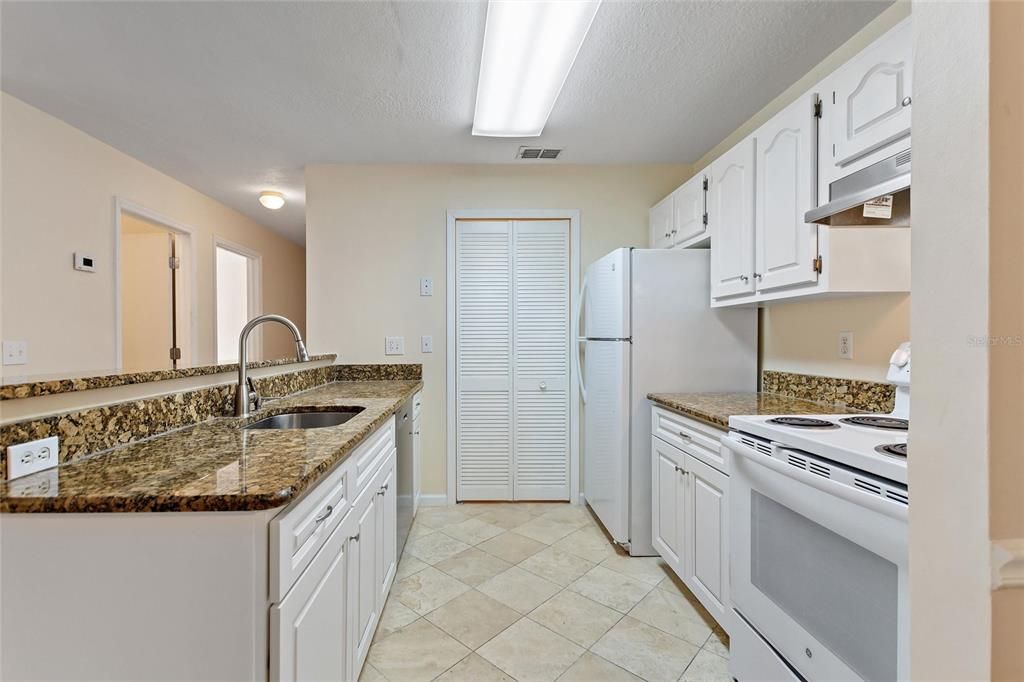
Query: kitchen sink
x=305 y=420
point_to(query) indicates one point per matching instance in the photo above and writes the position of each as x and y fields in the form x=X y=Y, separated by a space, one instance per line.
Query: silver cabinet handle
x=416 y=433
x=354 y=538
x=323 y=517
x=906 y=101
x=680 y=469
x=744 y=278
x=685 y=436
x=383 y=489
x=757 y=275
x=668 y=234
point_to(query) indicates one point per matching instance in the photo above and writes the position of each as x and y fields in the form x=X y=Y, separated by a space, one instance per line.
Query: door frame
x=573 y=216
x=254 y=294
x=171 y=225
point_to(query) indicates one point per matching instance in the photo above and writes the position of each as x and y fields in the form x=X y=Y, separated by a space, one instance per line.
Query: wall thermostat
x=85 y=263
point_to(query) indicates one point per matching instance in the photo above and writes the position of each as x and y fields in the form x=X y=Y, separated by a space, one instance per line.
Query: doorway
x=154 y=290
x=238 y=300
x=512 y=386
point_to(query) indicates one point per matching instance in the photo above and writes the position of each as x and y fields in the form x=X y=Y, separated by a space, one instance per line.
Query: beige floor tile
x=511 y=547
x=505 y=517
x=519 y=589
x=474 y=668
x=473 y=618
x=472 y=508
x=592 y=668
x=645 y=651
x=472 y=531
x=575 y=617
x=439 y=517
x=473 y=566
x=707 y=667
x=427 y=590
x=673 y=614
x=531 y=653
x=545 y=529
x=418 y=530
x=419 y=651
x=409 y=565
x=718 y=642
x=435 y=547
x=371 y=674
x=612 y=589
x=538 y=508
x=396 y=616
x=589 y=543
x=574 y=514
x=650 y=570
x=557 y=566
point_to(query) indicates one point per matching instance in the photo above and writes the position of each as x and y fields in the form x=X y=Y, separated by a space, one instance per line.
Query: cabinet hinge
x=817 y=108
x=705 y=184
x=816 y=264
x=175 y=354
x=173 y=263
x=705 y=219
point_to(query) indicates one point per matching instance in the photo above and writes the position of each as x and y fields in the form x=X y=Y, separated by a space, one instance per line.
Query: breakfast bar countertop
x=214 y=465
x=716 y=408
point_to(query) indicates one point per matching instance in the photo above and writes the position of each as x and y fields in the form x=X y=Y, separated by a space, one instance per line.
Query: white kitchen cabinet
x=365 y=573
x=668 y=503
x=417 y=453
x=871 y=101
x=731 y=221
x=387 y=521
x=707 y=569
x=785 y=246
x=660 y=224
x=689 y=212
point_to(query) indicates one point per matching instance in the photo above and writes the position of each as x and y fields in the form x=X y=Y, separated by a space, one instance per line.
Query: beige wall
x=58 y=192
x=804 y=337
x=373 y=231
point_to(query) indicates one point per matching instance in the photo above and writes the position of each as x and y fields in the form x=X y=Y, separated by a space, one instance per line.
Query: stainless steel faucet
x=245 y=392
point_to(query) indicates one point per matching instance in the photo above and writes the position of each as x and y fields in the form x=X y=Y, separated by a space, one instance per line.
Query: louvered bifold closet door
x=483 y=343
x=541 y=359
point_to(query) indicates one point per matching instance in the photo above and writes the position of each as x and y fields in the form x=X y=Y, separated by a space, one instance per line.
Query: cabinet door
x=689 y=210
x=387 y=529
x=708 y=545
x=364 y=582
x=309 y=629
x=731 y=221
x=417 y=455
x=871 y=96
x=660 y=220
x=668 y=506
x=785 y=245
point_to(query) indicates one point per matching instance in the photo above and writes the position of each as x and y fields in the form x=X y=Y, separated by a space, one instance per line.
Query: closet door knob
x=906 y=101
x=543 y=385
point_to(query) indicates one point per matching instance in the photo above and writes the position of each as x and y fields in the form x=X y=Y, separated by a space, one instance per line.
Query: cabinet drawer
x=697 y=439
x=368 y=457
x=417 y=404
x=298 y=533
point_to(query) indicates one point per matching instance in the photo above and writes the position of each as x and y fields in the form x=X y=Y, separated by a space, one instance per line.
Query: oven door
x=819 y=569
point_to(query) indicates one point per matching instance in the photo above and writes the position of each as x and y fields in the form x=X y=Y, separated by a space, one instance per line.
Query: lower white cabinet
x=689 y=506
x=417 y=453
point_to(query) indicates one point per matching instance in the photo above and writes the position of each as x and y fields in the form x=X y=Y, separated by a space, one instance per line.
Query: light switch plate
x=27 y=458
x=15 y=352
x=427 y=286
x=427 y=344
x=846 y=345
x=394 y=345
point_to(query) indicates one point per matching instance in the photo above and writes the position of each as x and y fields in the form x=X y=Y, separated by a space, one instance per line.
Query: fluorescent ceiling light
x=272 y=200
x=529 y=47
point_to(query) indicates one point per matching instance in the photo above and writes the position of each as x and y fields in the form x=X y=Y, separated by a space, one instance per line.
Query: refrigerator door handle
x=580 y=341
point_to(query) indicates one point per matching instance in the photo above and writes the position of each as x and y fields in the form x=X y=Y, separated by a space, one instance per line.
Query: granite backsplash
x=856 y=394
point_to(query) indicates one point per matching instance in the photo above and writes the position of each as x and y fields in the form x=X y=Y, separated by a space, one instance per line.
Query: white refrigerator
x=646 y=327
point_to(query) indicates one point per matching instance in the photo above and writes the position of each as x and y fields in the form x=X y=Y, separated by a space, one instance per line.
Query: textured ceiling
x=235 y=97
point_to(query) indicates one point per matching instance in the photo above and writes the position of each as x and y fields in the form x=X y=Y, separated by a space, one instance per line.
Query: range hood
x=887 y=176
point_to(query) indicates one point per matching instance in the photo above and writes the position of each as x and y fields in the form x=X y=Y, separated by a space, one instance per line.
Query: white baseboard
x=1008 y=564
x=433 y=500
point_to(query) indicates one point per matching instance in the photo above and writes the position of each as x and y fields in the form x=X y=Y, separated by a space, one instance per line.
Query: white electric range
x=818 y=543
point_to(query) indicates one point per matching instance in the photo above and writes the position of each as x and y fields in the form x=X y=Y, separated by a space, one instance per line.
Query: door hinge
x=175 y=353
x=705 y=184
x=705 y=218
x=817 y=108
x=173 y=262
x=816 y=264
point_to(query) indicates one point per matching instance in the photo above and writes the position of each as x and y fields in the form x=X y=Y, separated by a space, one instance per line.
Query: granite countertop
x=716 y=408
x=214 y=465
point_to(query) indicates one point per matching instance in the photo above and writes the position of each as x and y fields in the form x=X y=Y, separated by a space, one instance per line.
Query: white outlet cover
x=427 y=286
x=846 y=345
x=427 y=344
x=27 y=458
x=15 y=352
x=394 y=345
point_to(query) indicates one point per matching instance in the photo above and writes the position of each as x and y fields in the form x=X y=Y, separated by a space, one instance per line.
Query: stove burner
x=894 y=450
x=802 y=422
x=879 y=421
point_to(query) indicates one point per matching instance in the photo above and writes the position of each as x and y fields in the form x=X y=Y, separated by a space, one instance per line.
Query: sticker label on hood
x=879 y=208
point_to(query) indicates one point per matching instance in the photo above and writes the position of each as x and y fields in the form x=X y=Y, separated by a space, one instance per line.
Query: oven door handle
x=865 y=499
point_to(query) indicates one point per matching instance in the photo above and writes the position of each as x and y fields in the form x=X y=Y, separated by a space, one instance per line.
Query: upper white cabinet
x=731 y=221
x=689 y=211
x=786 y=247
x=660 y=224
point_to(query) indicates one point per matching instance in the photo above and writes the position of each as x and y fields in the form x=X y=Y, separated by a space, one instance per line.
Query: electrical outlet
x=426 y=344
x=427 y=286
x=846 y=345
x=15 y=352
x=394 y=345
x=27 y=458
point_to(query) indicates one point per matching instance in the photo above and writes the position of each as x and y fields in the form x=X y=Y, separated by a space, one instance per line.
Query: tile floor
x=536 y=591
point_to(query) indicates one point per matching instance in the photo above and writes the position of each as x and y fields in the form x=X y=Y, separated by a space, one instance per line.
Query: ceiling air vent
x=537 y=153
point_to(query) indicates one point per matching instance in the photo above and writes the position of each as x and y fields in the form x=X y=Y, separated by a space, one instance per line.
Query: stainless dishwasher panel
x=404 y=471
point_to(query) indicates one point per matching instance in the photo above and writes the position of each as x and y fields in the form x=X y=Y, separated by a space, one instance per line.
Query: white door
x=541 y=359
x=668 y=495
x=606 y=304
x=512 y=359
x=731 y=221
x=707 y=568
x=785 y=245
x=872 y=97
x=660 y=224
x=689 y=210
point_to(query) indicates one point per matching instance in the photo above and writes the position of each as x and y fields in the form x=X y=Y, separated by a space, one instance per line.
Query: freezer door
x=606 y=306
x=606 y=435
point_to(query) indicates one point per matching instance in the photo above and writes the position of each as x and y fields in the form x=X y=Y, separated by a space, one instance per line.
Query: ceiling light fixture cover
x=272 y=200
x=529 y=48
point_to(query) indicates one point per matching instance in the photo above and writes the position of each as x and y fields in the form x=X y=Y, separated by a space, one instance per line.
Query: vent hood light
x=887 y=176
x=272 y=200
x=529 y=48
